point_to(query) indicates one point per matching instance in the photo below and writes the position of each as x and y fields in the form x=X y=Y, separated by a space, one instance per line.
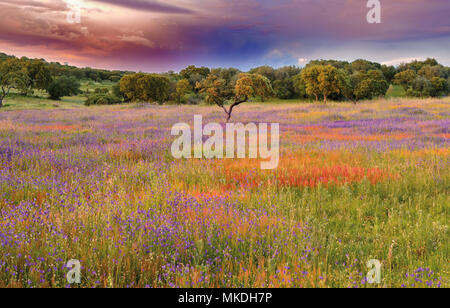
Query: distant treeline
x=28 y=75
x=318 y=80
x=57 y=69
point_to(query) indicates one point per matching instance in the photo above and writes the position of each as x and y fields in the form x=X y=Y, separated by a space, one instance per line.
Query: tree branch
x=235 y=104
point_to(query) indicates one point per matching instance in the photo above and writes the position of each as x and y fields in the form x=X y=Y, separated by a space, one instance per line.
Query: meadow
x=98 y=184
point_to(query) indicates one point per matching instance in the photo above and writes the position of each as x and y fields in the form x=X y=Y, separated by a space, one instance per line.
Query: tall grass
x=99 y=185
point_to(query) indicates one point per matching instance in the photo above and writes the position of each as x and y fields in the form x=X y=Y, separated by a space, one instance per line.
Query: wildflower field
x=354 y=183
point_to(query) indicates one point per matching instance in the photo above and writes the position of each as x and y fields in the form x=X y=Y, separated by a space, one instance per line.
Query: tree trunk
x=317 y=97
x=325 y=99
x=230 y=110
x=228 y=117
x=4 y=92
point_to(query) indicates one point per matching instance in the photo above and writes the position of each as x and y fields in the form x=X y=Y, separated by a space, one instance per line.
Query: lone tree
x=12 y=76
x=218 y=91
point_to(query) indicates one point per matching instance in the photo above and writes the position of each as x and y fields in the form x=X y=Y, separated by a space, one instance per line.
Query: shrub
x=63 y=86
x=101 y=91
x=102 y=99
x=191 y=99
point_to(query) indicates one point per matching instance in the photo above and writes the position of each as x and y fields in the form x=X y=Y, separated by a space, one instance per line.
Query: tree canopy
x=63 y=86
x=220 y=92
x=319 y=79
x=145 y=87
x=12 y=75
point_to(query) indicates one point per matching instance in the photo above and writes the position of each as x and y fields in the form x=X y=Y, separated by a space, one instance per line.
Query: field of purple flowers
x=355 y=183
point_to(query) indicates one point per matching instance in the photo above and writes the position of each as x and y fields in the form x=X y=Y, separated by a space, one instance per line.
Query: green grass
x=395 y=92
x=90 y=86
x=40 y=99
x=19 y=102
x=80 y=184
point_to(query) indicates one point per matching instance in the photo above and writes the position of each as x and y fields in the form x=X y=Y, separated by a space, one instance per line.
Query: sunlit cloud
x=403 y=60
x=152 y=35
x=148 y=5
x=302 y=61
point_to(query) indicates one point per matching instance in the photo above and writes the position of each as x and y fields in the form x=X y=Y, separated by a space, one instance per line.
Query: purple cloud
x=146 y=5
x=241 y=33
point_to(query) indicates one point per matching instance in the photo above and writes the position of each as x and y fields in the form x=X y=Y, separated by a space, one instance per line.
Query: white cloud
x=402 y=60
x=302 y=61
x=138 y=40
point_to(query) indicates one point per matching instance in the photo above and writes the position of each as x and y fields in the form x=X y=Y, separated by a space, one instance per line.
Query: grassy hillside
x=40 y=99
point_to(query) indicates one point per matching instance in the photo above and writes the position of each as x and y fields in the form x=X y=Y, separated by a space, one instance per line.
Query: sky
x=157 y=36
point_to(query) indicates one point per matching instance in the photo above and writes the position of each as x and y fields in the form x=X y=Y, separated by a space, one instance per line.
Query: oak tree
x=12 y=76
x=220 y=92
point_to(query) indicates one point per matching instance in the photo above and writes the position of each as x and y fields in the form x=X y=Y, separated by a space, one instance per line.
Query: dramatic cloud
x=153 y=6
x=152 y=35
x=47 y=5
